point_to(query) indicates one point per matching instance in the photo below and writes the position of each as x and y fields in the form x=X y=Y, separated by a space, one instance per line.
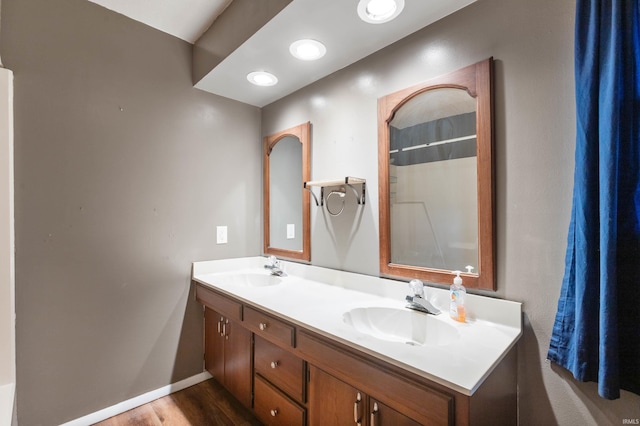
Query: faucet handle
x=417 y=287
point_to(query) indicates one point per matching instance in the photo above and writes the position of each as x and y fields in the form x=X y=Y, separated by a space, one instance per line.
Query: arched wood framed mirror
x=435 y=174
x=287 y=159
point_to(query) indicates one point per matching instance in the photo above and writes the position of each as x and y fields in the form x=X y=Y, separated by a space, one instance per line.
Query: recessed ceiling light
x=379 y=11
x=262 y=78
x=307 y=50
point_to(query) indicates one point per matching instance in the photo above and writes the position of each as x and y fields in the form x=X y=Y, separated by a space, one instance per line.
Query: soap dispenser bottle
x=457 y=293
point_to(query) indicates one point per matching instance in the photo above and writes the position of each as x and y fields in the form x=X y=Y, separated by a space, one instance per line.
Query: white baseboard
x=129 y=404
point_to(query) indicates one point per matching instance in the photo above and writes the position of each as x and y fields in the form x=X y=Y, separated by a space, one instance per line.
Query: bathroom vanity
x=320 y=346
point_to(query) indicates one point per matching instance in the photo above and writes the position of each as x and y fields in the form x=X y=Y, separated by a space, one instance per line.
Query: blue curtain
x=596 y=334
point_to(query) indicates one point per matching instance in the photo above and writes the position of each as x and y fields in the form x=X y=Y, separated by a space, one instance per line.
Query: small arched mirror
x=436 y=179
x=286 y=203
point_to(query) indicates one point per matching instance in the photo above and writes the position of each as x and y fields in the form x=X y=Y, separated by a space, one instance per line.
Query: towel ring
x=341 y=193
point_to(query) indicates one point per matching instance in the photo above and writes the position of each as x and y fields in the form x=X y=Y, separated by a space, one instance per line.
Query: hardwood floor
x=205 y=404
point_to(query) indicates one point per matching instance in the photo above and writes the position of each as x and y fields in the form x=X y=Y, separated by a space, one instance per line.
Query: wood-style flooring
x=204 y=404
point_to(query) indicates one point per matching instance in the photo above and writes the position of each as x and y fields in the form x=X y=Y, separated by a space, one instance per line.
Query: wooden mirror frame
x=303 y=133
x=477 y=80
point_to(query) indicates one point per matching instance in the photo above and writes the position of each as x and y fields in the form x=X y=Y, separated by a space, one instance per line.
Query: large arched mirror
x=436 y=179
x=287 y=156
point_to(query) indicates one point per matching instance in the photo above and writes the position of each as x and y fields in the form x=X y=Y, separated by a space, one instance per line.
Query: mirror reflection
x=286 y=204
x=432 y=181
x=435 y=177
x=285 y=197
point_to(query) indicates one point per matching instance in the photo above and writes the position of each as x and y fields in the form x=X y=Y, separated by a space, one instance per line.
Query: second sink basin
x=401 y=325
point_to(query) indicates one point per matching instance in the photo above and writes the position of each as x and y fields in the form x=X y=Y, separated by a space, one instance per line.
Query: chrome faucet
x=418 y=302
x=274 y=264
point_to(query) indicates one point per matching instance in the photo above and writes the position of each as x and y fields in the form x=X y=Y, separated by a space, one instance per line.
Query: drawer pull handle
x=274 y=412
x=373 y=414
x=262 y=326
x=274 y=364
x=357 y=417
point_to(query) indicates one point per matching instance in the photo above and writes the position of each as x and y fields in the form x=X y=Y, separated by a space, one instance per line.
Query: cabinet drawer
x=273 y=407
x=219 y=303
x=280 y=367
x=269 y=327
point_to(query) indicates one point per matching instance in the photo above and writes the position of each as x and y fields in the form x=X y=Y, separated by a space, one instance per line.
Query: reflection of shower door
x=416 y=241
x=433 y=214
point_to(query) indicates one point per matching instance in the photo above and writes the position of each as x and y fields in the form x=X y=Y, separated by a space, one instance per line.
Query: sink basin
x=401 y=325
x=247 y=279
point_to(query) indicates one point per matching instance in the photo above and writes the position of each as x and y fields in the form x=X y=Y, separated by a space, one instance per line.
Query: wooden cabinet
x=227 y=343
x=228 y=354
x=332 y=401
x=297 y=376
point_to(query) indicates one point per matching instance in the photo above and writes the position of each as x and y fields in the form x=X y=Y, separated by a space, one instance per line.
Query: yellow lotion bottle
x=456 y=305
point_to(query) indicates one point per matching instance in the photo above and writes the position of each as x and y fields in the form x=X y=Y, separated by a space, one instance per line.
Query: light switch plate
x=221 y=235
x=291 y=231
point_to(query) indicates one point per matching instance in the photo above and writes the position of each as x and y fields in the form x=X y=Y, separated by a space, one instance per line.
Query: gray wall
x=122 y=172
x=532 y=43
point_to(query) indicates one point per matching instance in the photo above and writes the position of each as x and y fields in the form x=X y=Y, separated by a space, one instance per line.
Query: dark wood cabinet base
x=295 y=376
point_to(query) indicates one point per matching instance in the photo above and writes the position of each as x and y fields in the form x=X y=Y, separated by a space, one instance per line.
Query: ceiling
x=185 y=19
x=333 y=22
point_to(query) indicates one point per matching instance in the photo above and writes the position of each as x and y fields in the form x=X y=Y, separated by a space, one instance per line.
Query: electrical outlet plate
x=291 y=231
x=221 y=235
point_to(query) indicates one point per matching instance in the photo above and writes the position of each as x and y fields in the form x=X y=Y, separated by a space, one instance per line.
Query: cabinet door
x=237 y=362
x=381 y=415
x=227 y=354
x=333 y=402
x=214 y=344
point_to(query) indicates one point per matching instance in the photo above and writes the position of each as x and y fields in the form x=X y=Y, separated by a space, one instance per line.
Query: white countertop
x=317 y=298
